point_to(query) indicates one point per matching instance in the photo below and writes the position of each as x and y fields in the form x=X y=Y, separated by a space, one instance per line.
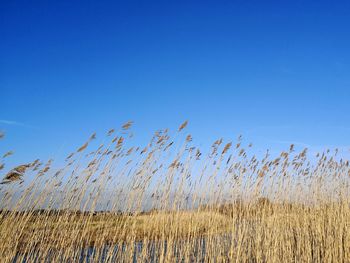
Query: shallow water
x=152 y=252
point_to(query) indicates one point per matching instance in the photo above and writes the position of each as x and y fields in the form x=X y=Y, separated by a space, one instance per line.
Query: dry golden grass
x=169 y=201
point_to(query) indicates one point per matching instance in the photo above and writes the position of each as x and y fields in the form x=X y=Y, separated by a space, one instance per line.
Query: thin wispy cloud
x=15 y=123
x=7 y=122
x=297 y=127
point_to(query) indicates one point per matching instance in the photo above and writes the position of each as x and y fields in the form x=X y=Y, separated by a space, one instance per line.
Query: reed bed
x=169 y=201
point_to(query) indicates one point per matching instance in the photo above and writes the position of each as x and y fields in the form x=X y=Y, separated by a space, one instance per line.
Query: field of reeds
x=169 y=201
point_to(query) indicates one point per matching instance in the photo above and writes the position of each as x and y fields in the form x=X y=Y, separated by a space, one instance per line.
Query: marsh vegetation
x=169 y=201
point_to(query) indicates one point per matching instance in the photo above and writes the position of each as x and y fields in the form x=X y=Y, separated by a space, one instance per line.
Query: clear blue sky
x=274 y=71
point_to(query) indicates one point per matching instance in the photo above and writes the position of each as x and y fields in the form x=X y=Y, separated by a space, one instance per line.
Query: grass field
x=169 y=201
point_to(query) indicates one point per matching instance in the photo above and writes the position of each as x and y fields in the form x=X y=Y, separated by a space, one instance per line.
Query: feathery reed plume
x=120 y=142
x=183 y=125
x=198 y=154
x=127 y=125
x=34 y=163
x=9 y=153
x=291 y=148
x=82 y=148
x=37 y=165
x=227 y=147
x=93 y=136
x=217 y=142
x=69 y=156
x=45 y=169
x=129 y=151
x=168 y=146
x=110 y=132
x=15 y=174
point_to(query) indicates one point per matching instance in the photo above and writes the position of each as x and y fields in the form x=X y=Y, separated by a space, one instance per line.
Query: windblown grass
x=169 y=201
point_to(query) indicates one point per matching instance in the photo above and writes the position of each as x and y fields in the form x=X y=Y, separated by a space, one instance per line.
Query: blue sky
x=275 y=71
